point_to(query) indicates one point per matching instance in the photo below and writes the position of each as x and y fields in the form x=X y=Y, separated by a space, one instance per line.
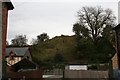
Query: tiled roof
x=18 y=51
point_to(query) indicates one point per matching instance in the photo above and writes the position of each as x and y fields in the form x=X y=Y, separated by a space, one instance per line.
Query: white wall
x=76 y=67
x=14 y=61
x=119 y=12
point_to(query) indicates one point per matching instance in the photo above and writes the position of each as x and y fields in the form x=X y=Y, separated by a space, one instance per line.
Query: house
x=21 y=66
x=16 y=54
x=115 y=62
x=24 y=69
x=116 y=58
x=4 y=8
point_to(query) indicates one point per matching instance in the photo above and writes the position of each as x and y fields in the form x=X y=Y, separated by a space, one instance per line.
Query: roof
x=20 y=51
x=9 y=5
x=117 y=27
x=22 y=64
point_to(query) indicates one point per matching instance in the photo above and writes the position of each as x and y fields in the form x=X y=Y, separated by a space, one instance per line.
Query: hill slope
x=66 y=46
x=47 y=50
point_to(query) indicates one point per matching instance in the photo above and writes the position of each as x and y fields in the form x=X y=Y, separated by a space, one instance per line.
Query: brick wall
x=3 y=30
x=115 y=61
x=4 y=7
x=4 y=27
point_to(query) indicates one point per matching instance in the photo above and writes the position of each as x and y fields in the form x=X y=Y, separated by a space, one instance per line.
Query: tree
x=80 y=30
x=19 y=40
x=109 y=34
x=94 y=34
x=92 y=21
x=42 y=37
x=58 y=58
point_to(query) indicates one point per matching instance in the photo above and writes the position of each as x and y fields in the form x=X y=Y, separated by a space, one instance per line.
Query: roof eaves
x=9 y=4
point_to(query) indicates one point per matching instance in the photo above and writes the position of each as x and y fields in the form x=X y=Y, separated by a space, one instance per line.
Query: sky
x=54 y=17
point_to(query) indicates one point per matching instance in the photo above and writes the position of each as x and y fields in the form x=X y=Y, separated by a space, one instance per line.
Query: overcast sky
x=54 y=17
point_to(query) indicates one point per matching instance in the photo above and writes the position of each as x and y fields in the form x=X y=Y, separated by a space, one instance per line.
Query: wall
x=118 y=12
x=85 y=74
x=28 y=54
x=0 y=40
x=15 y=60
x=53 y=72
x=28 y=74
x=3 y=31
x=4 y=27
x=115 y=61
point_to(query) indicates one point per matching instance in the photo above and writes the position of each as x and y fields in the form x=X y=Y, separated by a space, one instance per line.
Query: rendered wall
x=118 y=12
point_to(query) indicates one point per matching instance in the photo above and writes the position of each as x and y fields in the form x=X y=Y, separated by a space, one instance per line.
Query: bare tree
x=19 y=40
x=92 y=21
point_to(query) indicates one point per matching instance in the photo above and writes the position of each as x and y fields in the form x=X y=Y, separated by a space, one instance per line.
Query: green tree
x=94 y=34
x=105 y=49
x=109 y=34
x=92 y=21
x=42 y=37
x=19 y=40
x=58 y=58
x=80 y=30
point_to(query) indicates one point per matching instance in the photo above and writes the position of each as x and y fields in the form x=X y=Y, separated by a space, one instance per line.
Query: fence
x=85 y=74
x=53 y=72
